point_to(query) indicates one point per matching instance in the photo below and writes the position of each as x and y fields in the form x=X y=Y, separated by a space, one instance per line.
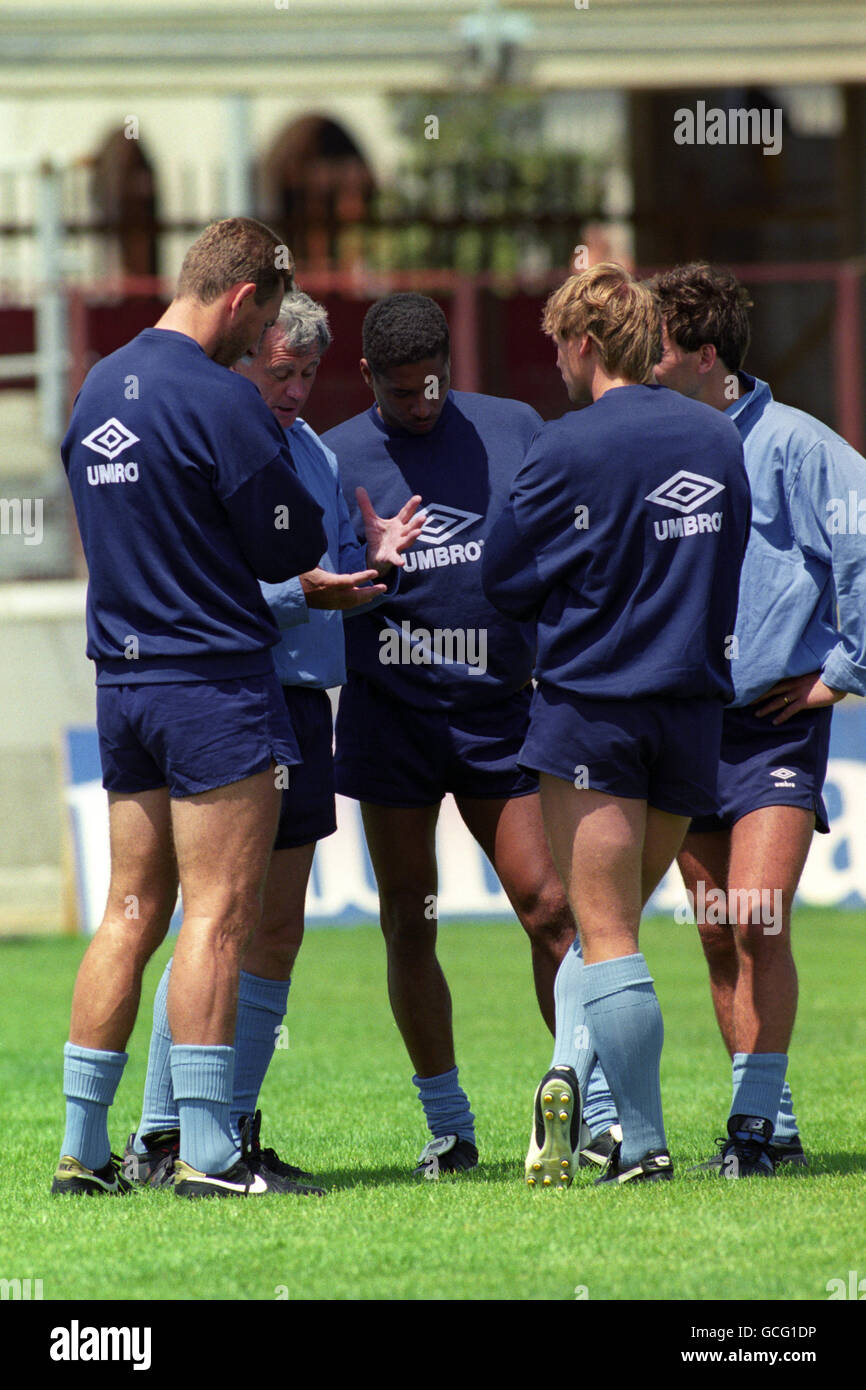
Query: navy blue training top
x=624 y=536
x=186 y=496
x=463 y=469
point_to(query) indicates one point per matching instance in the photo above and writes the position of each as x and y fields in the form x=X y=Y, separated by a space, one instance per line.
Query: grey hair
x=304 y=323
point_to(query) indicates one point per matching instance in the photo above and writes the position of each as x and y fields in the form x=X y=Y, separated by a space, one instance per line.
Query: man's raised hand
x=388 y=537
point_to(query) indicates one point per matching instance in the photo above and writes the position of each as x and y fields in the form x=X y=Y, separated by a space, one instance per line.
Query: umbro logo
x=783 y=774
x=684 y=491
x=110 y=439
x=444 y=523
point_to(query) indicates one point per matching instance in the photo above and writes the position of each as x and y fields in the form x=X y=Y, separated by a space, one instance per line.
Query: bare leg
x=704 y=858
x=768 y=851
x=276 y=941
x=752 y=973
x=223 y=840
x=611 y=851
x=141 y=897
x=511 y=833
x=403 y=850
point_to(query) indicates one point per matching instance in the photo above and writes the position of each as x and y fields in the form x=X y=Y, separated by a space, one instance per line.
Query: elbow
x=501 y=597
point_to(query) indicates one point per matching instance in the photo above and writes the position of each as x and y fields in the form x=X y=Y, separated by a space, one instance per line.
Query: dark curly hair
x=701 y=303
x=403 y=328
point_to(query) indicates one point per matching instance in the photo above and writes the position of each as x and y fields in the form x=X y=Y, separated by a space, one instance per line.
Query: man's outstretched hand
x=389 y=537
x=325 y=590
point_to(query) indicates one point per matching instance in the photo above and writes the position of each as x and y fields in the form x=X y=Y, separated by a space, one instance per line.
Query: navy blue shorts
x=767 y=764
x=658 y=750
x=307 y=812
x=394 y=754
x=191 y=736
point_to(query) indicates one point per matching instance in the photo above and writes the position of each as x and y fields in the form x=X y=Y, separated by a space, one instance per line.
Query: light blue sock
x=90 y=1080
x=625 y=1023
x=759 y=1078
x=446 y=1105
x=159 y=1108
x=203 y=1080
x=261 y=1010
x=573 y=1048
x=786 y=1122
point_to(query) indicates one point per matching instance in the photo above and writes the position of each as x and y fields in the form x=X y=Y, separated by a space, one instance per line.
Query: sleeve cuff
x=287 y=603
x=840 y=673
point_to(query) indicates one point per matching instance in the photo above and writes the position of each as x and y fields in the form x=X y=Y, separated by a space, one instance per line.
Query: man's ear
x=237 y=296
x=707 y=357
x=366 y=372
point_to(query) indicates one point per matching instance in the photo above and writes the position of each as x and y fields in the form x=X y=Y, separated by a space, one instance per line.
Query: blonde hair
x=619 y=314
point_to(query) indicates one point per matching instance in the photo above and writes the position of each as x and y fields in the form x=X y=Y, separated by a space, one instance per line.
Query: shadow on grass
x=820 y=1166
x=402 y=1177
x=836 y=1164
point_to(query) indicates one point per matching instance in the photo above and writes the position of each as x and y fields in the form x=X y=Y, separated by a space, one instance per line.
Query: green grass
x=339 y=1100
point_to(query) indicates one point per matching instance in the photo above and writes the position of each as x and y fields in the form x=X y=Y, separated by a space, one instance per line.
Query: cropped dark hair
x=236 y=250
x=403 y=328
x=701 y=303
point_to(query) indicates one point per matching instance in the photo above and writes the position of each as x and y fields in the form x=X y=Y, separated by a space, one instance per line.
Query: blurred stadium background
x=465 y=148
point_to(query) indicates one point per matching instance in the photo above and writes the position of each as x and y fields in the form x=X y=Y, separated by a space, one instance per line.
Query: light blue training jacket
x=806 y=557
x=311 y=650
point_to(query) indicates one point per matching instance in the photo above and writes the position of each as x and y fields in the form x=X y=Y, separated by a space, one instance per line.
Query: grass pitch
x=339 y=1101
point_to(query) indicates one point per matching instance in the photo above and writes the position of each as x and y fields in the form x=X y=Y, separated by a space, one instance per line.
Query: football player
x=438 y=690
x=798 y=647
x=179 y=475
x=309 y=660
x=622 y=541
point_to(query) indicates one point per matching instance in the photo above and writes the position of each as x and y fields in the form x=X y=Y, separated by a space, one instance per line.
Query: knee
x=279 y=929
x=546 y=916
x=719 y=945
x=134 y=939
x=142 y=918
x=226 y=926
x=758 y=944
x=409 y=920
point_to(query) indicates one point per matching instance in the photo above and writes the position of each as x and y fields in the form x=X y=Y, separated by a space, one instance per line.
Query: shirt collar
x=755 y=398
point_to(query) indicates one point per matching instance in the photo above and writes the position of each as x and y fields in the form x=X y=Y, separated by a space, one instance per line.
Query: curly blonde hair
x=620 y=314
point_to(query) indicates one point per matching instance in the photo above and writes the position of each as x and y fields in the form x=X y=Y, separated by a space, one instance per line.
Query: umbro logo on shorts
x=444 y=523
x=110 y=439
x=784 y=777
x=684 y=491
